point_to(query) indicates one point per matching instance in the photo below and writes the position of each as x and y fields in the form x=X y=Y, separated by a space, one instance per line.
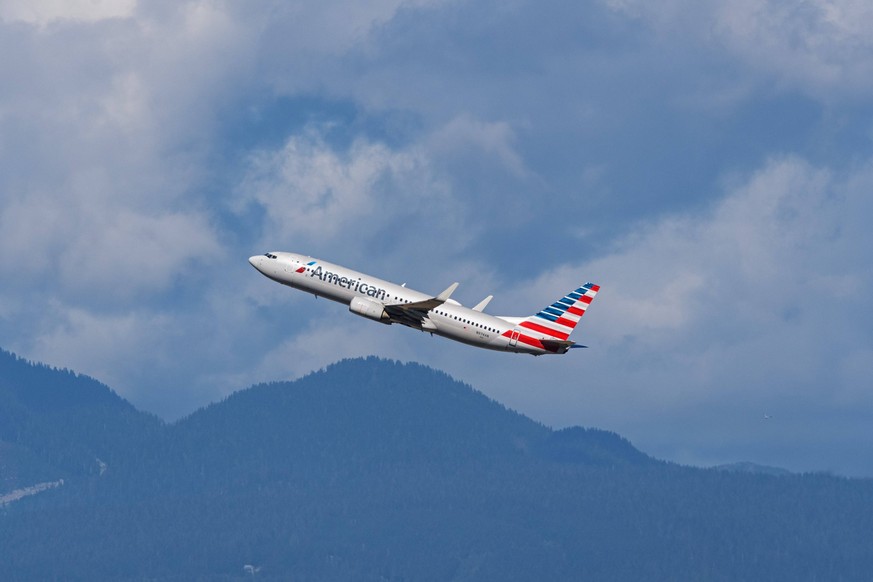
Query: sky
x=709 y=164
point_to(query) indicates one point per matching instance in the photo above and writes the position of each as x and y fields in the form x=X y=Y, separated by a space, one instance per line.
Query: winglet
x=481 y=305
x=444 y=296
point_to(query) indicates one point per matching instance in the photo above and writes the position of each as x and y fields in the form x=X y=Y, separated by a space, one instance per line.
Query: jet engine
x=369 y=308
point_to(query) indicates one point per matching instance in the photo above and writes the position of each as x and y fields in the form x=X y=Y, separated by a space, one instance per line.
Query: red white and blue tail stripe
x=558 y=320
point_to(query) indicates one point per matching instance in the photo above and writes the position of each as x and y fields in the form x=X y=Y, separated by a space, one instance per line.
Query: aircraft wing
x=413 y=314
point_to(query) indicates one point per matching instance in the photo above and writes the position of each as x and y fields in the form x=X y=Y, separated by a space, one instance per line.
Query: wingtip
x=484 y=303
x=448 y=292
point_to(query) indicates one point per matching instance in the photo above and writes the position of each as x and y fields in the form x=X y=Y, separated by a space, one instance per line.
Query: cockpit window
x=269 y=256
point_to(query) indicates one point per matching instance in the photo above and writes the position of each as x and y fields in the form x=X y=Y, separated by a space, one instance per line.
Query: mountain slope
x=54 y=424
x=374 y=470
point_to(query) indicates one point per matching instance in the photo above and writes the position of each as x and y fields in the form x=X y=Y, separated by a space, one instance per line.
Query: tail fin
x=559 y=319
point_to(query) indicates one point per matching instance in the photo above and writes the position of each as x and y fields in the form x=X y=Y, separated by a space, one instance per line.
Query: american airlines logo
x=357 y=286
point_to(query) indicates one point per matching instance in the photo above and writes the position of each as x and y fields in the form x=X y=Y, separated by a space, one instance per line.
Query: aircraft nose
x=255 y=261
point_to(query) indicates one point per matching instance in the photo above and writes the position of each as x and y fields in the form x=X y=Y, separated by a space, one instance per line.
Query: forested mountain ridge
x=55 y=424
x=376 y=470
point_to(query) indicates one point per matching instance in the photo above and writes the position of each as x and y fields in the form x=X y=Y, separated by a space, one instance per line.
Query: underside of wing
x=410 y=314
x=413 y=314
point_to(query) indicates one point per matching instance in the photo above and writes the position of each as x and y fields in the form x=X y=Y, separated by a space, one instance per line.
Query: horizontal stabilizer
x=558 y=346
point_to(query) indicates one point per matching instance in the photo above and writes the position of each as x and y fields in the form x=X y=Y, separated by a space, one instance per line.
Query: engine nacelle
x=369 y=308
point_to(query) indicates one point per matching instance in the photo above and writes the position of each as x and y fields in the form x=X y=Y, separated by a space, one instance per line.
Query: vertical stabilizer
x=559 y=319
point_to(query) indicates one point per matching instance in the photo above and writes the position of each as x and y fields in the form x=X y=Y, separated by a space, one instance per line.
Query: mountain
x=376 y=470
x=57 y=424
x=755 y=468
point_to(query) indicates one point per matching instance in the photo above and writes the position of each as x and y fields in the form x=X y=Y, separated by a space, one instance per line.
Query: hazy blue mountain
x=375 y=470
x=55 y=423
x=577 y=445
x=755 y=468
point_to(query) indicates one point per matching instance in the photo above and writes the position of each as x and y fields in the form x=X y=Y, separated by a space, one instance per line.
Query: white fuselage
x=450 y=319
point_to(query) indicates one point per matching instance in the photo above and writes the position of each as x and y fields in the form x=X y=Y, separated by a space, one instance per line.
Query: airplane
x=546 y=332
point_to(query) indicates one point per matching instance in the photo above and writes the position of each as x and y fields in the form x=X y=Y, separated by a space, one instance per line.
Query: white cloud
x=822 y=47
x=115 y=349
x=319 y=198
x=105 y=129
x=464 y=135
x=44 y=12
x=311 y=190
x=335 y=26
x=101 y=250
x=135 y=253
